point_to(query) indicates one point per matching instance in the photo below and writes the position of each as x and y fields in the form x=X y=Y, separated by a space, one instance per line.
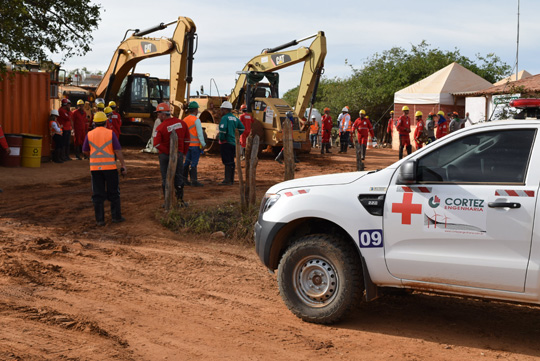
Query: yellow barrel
x=31 y=151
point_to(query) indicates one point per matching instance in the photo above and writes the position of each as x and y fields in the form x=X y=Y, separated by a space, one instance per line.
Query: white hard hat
x=54 y=112
x=313 y=116
x=345 y=110
x=226 y=105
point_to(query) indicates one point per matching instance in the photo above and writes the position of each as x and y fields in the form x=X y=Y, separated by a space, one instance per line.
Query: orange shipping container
x=25 y=105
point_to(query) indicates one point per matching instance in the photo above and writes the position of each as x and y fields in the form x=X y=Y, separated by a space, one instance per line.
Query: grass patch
x=227 y=218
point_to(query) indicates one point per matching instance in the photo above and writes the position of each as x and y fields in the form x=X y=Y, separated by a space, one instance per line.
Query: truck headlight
x=268 y=201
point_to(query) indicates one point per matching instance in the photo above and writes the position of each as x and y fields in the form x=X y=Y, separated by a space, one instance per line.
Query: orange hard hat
x=243 y=106
x=163 y=107
x=326 y=110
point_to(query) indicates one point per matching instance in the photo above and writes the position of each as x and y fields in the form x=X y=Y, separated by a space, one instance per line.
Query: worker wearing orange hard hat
x=162 y=141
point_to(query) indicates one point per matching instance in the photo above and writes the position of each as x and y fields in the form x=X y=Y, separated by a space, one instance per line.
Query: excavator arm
x=273 y=59
x=137 y=47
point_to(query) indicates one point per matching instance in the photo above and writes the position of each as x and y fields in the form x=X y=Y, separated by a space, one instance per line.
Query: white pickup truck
x=457 y=216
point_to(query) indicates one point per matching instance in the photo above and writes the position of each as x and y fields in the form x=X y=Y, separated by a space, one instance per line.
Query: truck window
x=491 y=157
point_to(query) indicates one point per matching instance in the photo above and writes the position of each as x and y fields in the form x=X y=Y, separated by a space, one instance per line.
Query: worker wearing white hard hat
x=345 y=126
x=55 y=130
x=227 y=140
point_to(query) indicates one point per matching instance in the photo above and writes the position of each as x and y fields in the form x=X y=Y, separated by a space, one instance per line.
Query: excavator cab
x=139 y=95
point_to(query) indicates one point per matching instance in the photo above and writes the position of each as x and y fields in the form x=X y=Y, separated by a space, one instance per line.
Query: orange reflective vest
x=314 y=128
x=193 y=136
x=100 y=141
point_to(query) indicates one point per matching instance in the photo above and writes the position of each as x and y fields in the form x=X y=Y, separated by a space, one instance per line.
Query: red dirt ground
x=136 y=291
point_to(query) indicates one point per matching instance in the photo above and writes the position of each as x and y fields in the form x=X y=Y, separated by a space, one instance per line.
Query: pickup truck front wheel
x=320 y=278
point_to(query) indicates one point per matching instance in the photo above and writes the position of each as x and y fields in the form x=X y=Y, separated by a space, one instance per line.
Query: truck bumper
x=264 y=234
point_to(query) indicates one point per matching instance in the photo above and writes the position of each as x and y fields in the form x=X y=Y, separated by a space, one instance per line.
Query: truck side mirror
x=407 y=172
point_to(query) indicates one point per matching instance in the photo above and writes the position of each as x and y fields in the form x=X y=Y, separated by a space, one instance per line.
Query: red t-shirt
x=162 y=140
x=64 y=118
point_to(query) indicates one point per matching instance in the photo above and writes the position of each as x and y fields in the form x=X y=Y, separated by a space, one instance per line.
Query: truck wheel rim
x=315 y=281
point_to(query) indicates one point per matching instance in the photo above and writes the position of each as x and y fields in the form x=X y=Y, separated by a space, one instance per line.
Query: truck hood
x=321 y=180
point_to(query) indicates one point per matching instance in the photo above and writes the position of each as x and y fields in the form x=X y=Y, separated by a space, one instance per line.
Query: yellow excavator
x=262 y=99
x=137 y=95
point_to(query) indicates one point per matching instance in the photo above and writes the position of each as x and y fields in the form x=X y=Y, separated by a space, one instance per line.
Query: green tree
x=34 y=29
x=372 y=86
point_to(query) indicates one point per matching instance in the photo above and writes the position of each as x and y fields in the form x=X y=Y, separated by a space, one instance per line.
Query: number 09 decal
x=370 y=238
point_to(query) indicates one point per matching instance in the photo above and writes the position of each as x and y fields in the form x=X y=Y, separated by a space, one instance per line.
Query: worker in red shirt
x=326 y=127
x=420 y=133
x=404 y=128
x=80 y=124
x=162 y=140
x=363 y=126
x=116 y=119
x=64 y=118
x=442 y=125
x=247 y=120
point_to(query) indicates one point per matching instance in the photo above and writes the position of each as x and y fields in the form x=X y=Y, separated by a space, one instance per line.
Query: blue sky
x=232 y=32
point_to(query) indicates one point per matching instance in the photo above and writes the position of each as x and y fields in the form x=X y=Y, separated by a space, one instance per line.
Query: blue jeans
x=192 y=157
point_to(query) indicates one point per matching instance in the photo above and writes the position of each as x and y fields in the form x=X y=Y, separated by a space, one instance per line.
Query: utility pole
x=517 y=48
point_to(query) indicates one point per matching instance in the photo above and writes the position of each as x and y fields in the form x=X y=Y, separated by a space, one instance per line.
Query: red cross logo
x=407 y=208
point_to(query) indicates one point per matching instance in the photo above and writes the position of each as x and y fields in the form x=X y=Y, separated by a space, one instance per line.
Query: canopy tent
x=439 y=86
x=524 y=74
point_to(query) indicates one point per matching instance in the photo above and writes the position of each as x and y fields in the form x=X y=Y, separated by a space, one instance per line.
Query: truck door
x=467 y=218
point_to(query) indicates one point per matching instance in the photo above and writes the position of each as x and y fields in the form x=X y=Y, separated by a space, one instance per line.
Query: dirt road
x=136 y=291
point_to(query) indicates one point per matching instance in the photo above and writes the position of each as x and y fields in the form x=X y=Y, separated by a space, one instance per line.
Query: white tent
x=439 y=86
x=521 y=75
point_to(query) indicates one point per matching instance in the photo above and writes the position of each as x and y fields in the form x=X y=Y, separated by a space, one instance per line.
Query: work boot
x=243 y=153
x=99 y=211
x=296 y=160
x=226 y=180
x=322 y=148
x=409 y=149
x=78 y=152
x=185 y=173
x=57 y=157
x=66 y=154
x=193 y=175
x=364 y=150
x=400 y=152
x=328 y=148
x=116 y=211
x=279 y=157
x=180 y=197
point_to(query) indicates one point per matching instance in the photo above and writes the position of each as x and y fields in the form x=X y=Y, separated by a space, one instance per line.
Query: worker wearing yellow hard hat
x=102 y=146
x=403 y=127
x=442 y=125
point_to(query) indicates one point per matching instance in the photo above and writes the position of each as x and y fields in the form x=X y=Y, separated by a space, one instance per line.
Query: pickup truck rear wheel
x=320 y=278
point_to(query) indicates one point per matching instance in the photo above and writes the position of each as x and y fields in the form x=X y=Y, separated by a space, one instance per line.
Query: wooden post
x=170 y=192
x=239 y=168
x=359 y=163
x=253 y=160
x=288 y=150
x=249 y=145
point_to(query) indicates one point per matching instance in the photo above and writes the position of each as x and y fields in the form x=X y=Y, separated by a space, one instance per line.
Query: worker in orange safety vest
x=345 y=127
x=101 y=145
x=196 y=145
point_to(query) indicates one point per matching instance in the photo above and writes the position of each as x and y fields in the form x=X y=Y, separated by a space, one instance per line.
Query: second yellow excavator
x=262 y=99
